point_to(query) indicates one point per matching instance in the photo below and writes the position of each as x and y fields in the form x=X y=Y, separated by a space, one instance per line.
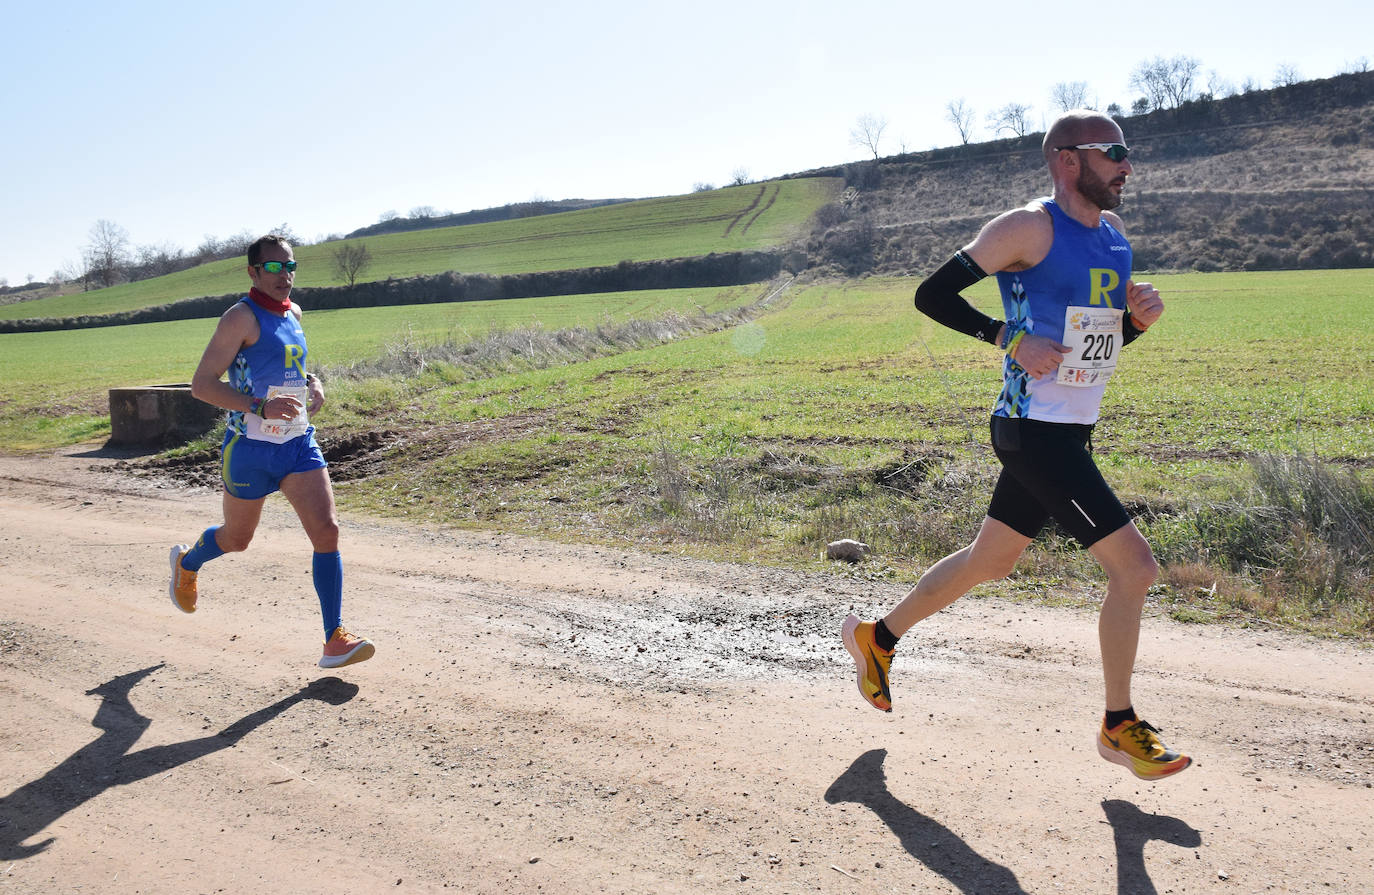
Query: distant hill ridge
x=1274 y=179
x=509 y=212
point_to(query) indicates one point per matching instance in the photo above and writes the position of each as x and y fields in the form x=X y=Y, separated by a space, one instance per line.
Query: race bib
x=1094 y=338
x=280 y=431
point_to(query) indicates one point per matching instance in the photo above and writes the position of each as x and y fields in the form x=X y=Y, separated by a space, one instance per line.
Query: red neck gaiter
x=267 y=302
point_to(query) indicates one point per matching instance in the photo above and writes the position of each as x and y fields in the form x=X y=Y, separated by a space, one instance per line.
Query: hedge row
x=728 y=269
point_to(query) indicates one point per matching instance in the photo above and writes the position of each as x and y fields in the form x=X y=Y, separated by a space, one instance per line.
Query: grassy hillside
x=734 y=219
x=509 y=212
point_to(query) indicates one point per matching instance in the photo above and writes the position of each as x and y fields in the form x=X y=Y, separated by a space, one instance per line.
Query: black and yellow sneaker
x=871 y=660
x=1136 y=745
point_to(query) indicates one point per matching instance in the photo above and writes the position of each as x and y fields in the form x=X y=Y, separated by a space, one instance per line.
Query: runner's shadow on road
x=1132 y=829
x=924 y=838
x=105 y=762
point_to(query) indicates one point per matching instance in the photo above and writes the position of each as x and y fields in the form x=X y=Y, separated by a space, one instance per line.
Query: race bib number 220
x=1094 y=339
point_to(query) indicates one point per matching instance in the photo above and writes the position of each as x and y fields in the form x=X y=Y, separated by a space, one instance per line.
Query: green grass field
x=45 y=404
x=733 y=219
x=839 y=412
x=1239 y=362
x=845 y=365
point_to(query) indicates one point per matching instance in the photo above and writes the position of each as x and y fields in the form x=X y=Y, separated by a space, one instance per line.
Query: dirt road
x=546 y=718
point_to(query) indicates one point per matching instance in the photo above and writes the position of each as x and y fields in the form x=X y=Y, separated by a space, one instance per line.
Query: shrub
x=1302 y=535
x=863 y=175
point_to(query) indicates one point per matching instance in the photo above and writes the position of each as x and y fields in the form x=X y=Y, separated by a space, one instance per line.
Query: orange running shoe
x=182 y=587
x=343 y=648
x=871 y=660
x=1136 y=746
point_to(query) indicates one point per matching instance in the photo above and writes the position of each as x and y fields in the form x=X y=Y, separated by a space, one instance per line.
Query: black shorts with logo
x=1048 y=471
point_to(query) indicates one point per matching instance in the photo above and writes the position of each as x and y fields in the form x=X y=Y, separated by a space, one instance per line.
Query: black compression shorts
x=1048 y=471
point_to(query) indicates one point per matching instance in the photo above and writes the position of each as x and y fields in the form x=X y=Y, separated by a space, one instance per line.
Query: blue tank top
x=1078 y=290
x=275 y=360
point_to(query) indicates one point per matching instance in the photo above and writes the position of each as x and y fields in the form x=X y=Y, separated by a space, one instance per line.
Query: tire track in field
x=758 y=214
x=752 y=205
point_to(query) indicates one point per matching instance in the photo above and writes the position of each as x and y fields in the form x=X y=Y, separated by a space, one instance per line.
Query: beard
x=1096 y=190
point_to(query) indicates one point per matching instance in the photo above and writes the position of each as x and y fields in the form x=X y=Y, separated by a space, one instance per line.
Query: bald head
x=1080 y=126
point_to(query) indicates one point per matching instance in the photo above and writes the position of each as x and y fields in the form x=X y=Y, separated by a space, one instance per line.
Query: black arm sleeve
x=938 y=298
x=1129 y=332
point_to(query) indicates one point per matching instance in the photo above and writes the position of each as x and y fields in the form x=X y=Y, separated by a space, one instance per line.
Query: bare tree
x=868 y=132
x=1181 y=84
x=350 y=260
x=1286 y=75
x=284 y=231
x=157 y=260
x=1357 y=66
x=1011 y=117
x=1068 y=95
x=960 y=114
x=237 y=245
x=67 y=273
x=1218 y=87
x=210 y=248
x=107 y=254
x=1166 y=83
x=740 y=177
x=421 y=212
x=1148 y=78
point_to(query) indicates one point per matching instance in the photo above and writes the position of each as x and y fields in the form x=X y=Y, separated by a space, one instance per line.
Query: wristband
x=1015 y=340
x=255 y=406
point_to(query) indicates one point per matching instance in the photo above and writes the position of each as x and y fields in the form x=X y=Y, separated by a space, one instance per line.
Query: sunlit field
x=733 y=219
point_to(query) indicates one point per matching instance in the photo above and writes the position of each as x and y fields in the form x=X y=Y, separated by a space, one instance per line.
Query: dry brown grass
x=1279 y=179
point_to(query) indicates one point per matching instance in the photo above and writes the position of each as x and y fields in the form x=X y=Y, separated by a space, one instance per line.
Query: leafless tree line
x=1164 y=83
x=109 y=257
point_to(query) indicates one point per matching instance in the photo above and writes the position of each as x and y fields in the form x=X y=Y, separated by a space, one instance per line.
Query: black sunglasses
x=1117 y=152
x=277 y=266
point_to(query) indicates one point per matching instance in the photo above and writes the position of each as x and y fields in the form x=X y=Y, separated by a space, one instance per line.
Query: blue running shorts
x=253 y=469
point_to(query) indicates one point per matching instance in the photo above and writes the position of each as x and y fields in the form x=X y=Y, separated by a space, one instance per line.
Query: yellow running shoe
x=343 y=648
x=871 y=661
x=1136 y=745
x=182 y=587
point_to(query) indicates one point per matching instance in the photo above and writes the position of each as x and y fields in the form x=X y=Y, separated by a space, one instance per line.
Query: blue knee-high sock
x=205 y=549
x=327 y=569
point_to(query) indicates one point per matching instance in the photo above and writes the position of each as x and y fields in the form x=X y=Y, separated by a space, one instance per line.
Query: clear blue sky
x=179 y=120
